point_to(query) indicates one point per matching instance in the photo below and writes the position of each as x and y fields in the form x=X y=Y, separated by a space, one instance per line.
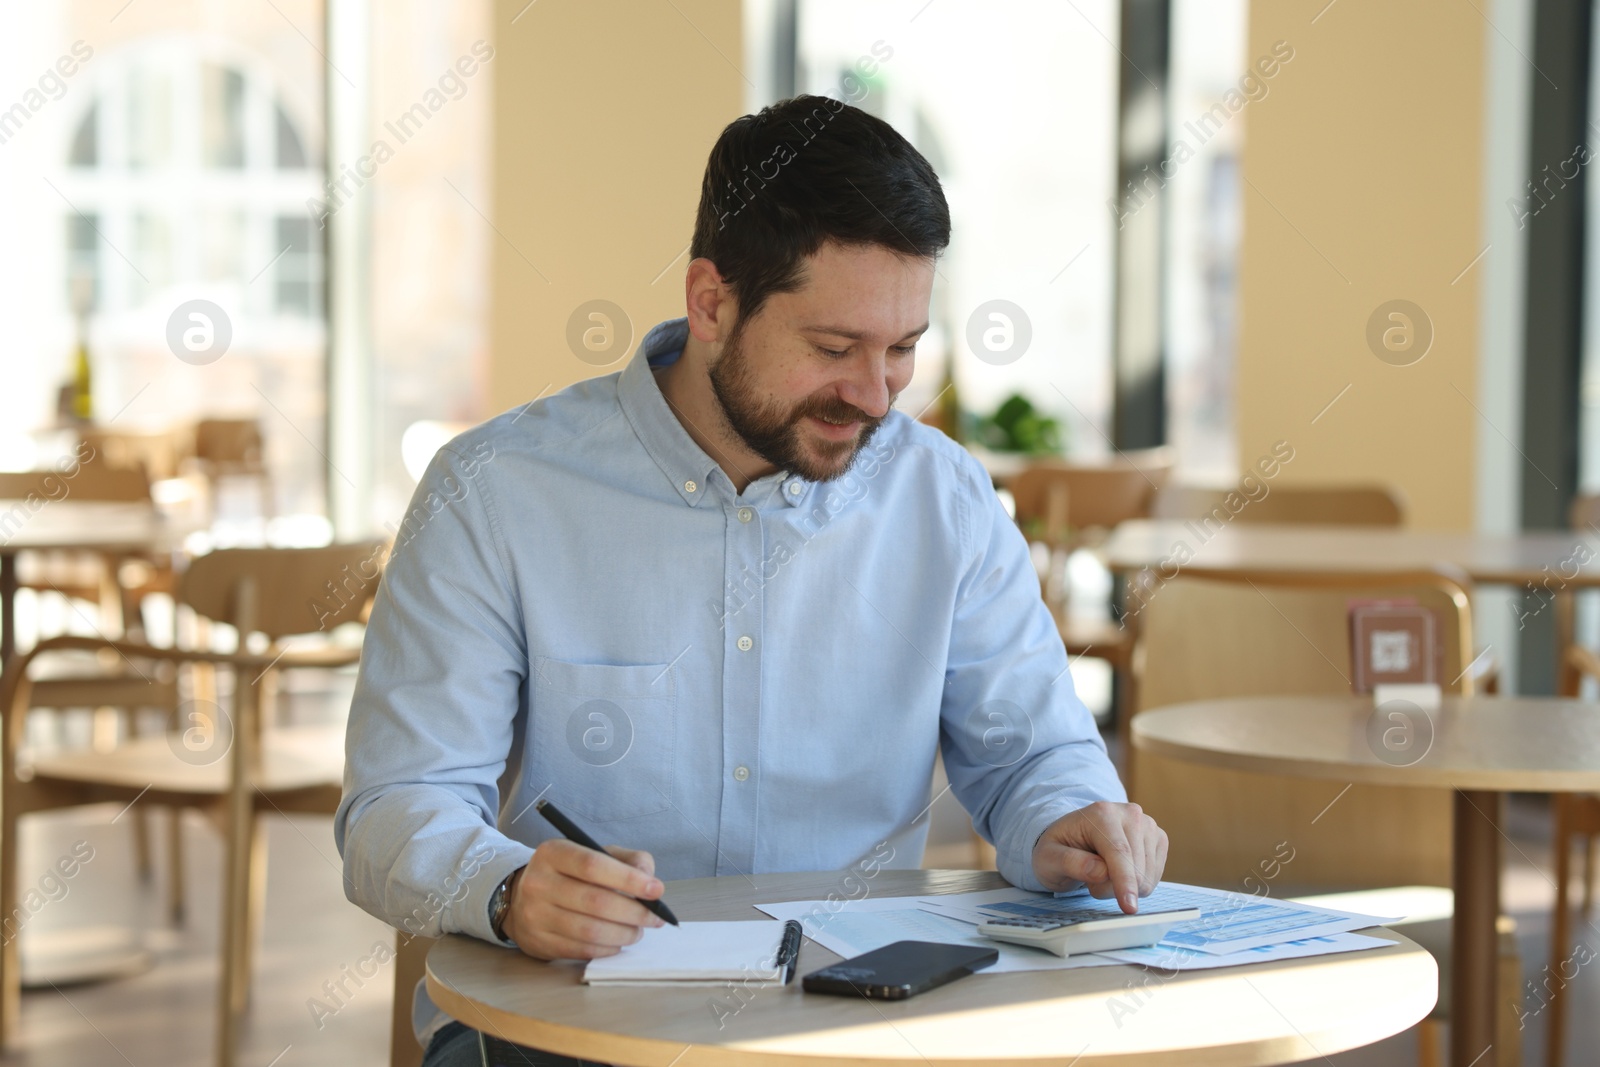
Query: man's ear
x=709 y=301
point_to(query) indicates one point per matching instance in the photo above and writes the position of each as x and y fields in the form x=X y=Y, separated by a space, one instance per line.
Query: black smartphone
x=900 y=970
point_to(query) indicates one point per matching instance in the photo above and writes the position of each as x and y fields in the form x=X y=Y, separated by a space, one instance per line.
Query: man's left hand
x=1114 y=849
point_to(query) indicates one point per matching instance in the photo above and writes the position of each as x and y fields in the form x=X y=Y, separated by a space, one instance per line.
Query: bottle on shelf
x=82 y=377
x=79 y=389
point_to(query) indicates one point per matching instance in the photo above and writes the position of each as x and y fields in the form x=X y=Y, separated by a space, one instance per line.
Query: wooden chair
x=233 y=448
x=410 y=963
x=232 y=775
x=91 y=577
x=156 y=453
x=84 y=576
x=1576 y=816
x=1301 y=505
x=109 y=686
x=1070 y=502
x=1266 y=633
x=1067 y=506
x=1331 y=505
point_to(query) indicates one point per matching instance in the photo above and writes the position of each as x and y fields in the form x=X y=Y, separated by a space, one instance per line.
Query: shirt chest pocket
x=601 y=737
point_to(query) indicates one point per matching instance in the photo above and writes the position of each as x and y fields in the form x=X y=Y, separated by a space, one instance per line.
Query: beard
x=777 y=434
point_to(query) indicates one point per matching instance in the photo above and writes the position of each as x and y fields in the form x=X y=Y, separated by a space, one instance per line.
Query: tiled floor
x=165 y=1015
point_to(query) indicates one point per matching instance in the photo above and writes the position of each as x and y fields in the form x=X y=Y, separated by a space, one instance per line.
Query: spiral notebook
x=696 y=953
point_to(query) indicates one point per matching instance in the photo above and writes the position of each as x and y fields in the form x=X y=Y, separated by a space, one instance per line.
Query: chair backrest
x=1056 y=493
x=280 y=592
x=1273 y=633
x=93 y=480
x=229 y=445
x=157 y=453
x=1584 y=514
x=1331 y=505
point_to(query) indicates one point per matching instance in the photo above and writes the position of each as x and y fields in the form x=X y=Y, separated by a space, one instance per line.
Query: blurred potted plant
x=1017 y=426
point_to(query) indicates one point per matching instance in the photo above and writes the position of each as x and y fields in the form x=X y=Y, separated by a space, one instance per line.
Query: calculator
x=1084 y=930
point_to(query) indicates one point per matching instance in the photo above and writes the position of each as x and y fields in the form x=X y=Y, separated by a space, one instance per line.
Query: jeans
x=457 y=1046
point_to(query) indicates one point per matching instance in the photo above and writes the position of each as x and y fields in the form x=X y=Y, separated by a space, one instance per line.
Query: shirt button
x=690 y=486
x=745 y=644
x=745 y=514
x=795 y=488
x=740 y=773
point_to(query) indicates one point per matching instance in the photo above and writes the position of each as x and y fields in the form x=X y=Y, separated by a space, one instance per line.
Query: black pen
x=570 y=831
x=789 y=950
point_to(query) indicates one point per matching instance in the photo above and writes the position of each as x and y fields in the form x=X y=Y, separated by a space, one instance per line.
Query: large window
x=183 y=159
x=430 y=240
x=1207 y=63
x=1015 y=106
x=160 y=164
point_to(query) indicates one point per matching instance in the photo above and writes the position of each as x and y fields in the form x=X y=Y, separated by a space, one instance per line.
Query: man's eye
x=835 y=354
x=906 y=350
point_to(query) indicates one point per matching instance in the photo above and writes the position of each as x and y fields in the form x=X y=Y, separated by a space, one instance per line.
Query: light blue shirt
x=580 y=603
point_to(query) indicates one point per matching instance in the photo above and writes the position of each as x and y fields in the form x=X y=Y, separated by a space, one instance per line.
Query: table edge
x=625 y=1049
x=1413 y=775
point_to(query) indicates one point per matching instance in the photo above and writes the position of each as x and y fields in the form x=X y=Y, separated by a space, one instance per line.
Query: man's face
x=808 y=380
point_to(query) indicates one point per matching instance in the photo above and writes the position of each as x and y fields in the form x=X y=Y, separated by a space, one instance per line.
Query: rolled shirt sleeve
x=431 y=722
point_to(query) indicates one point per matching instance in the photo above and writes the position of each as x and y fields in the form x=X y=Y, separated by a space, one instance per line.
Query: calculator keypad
x=1028 y=924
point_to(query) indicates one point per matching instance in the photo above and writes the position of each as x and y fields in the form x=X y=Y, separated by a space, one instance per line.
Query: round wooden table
x=1479 y=747
x=1130 y=1016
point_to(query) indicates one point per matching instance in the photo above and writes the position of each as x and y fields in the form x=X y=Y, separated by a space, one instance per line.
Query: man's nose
x=867 y=387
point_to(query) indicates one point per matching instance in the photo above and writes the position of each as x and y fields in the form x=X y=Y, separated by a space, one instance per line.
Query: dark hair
x=782 y=182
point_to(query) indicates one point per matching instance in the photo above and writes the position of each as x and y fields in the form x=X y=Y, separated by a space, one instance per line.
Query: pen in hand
x=789 y=949
x=573 y=833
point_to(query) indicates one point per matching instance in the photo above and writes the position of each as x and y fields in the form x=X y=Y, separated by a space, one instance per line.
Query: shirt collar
x=684 y=462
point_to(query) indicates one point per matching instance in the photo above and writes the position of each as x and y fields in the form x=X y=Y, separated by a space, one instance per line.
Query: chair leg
x=237 y=850
x=1428 y=1043
x=1588 y=875
x=255 y=911
x=10 y=928
x=1560 y=928
x=1127 y=701
x=141 y=844
x=175 y=888
x=1508 y=1008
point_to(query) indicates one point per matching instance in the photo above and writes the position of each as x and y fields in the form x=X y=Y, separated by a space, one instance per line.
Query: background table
x=1267 y=1013
x=1480 y=747
x=1570 y=557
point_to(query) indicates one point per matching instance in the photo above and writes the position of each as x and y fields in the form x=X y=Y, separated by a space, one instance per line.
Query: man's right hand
x=573 y=903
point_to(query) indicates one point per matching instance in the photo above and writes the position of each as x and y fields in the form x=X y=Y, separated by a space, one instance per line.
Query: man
x=723 y=608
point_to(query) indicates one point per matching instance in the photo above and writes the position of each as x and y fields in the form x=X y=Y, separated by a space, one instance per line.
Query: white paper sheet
x=863 y=925
x=1233 y=929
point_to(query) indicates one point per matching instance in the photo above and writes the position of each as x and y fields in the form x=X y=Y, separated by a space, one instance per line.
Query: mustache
x=837 y=410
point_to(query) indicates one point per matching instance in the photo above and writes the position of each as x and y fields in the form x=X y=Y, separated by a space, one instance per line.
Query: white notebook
x=695 y=953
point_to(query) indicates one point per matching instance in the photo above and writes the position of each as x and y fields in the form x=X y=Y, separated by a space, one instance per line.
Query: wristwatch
x=500 y=903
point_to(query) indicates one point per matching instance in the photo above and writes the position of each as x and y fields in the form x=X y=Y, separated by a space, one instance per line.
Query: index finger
x=1122 y=870
x=598 y=868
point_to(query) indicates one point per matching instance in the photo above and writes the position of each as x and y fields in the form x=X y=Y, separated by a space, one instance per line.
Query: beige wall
x=1364 y=170
x=604 y=112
